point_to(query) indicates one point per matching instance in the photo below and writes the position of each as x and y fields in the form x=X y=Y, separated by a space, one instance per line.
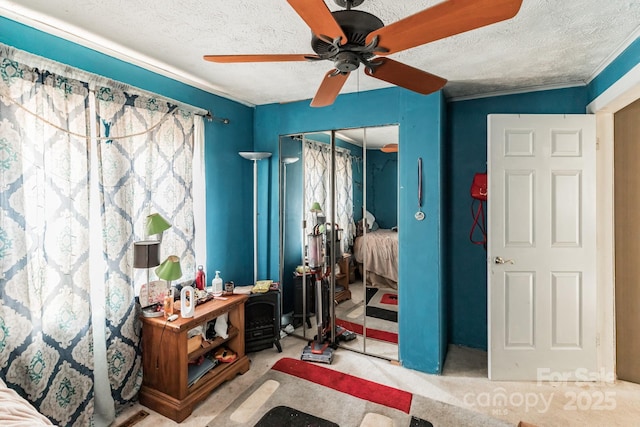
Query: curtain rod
x=36 y=61
x=212 y=117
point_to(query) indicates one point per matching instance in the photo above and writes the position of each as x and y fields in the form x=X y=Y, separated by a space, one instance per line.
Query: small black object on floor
x=418 y=422
x=283 y=416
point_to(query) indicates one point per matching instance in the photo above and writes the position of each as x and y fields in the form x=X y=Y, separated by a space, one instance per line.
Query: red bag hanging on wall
x=479 y=193
x=479 y=186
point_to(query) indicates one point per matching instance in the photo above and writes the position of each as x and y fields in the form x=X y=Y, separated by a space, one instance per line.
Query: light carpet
x=294 y=393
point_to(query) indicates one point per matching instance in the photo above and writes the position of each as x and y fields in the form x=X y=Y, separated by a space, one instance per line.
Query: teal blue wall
x=291 y=147
x=427 y=305
x=229 y=177
x=382 y=187
x=623 y=63
x=466 y=153
x=421 y=320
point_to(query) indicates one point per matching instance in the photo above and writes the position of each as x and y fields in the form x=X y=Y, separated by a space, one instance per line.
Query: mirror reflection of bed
x=375 y=292
x=365 y=209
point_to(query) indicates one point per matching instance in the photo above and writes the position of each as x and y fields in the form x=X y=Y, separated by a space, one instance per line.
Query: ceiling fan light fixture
x=348 y=4
x=389 y=148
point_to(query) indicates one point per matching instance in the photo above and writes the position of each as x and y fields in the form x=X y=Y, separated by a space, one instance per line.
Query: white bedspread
x=17 y=412
x=380 y=248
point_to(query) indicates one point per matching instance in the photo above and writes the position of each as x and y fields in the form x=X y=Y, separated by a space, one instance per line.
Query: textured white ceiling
x=550 y=43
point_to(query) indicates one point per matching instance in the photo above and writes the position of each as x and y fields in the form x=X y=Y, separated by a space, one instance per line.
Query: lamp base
x=152 y=311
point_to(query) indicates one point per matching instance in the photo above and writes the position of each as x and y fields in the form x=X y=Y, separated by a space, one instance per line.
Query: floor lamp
x=255 y=156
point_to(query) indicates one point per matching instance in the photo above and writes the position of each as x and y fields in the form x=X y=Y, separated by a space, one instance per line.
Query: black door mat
x=283 y=416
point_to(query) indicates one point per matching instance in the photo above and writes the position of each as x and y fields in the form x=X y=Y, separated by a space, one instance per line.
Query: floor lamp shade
x=146 y=254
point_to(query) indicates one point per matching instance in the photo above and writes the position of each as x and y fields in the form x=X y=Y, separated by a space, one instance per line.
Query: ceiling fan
x=349 y=38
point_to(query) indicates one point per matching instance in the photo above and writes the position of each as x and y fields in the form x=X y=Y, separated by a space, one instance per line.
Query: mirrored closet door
x=338 y=214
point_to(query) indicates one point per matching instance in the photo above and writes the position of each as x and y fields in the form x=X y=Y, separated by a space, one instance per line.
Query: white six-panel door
x=541 y=246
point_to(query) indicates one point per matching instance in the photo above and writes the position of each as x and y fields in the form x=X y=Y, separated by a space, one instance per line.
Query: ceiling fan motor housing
x=356 y=25
x=346 y=62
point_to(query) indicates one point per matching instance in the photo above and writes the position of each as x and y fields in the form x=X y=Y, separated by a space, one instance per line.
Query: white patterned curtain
x=317 y=185
x=52 y=317
x=46 y=351
x=139 y=175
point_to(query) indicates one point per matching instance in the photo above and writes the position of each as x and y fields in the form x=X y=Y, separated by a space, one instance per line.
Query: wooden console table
x=165 y=358
x=342 y=279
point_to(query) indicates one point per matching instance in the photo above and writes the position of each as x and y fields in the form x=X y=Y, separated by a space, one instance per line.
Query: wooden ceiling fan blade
x=406 y=76
x=443 y=20
x=259 y=58
x=318 y=17
x=329 y=88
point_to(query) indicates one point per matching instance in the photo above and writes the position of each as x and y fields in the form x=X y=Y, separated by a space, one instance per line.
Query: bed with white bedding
x=380 y=249
x=17 y=412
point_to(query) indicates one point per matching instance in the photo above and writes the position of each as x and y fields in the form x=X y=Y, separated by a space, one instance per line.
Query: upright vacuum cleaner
x=321 y=349
x=318 y=350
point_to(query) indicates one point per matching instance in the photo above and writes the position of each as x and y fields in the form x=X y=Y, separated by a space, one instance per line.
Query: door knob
x=500 y=260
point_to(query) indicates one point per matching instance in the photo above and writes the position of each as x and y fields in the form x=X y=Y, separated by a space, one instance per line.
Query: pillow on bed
x=371 y=221
x=370 y=218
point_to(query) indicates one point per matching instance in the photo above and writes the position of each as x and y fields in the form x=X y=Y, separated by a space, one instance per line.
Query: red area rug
x=294 y=393
x=345 y=383
x=391 y=337
x=391 y=299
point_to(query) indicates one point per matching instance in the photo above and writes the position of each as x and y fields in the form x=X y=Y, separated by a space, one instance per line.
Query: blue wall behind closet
x=421 y=118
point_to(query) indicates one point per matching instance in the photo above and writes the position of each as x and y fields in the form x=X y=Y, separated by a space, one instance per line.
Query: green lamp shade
x=156 y=224
x=170 y=269
x=315 y=207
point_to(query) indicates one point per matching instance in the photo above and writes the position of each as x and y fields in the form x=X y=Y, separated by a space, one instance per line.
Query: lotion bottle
x=216 y=284
x=168 y=303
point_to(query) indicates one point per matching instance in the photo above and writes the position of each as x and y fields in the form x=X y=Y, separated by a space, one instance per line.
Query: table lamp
x=156 y=224
x=169 y=270
x=146 y=254
x=315 y=209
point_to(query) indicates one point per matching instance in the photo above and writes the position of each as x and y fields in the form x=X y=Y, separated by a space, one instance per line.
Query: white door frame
x=622 y=93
